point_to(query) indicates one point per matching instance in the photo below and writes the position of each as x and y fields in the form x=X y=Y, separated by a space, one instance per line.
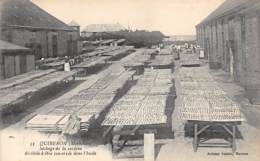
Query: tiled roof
x=9 y=46
x=104 y=27
x=24 y=13
x=255 y=7
x=73 y=23
x=227 y=7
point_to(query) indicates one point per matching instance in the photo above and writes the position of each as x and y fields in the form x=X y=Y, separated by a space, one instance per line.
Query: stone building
x=25 y=24
x=76 y=27
x=230 y=36
x=101 y=28
x=15 y=60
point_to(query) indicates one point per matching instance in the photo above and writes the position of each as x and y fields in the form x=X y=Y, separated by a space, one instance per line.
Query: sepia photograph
x=130 y=80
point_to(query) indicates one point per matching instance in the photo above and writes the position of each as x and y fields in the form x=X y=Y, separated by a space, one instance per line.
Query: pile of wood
x=145 y=102
x=205 y=100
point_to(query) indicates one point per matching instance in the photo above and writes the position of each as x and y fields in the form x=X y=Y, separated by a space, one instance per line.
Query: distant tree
x=138 y=38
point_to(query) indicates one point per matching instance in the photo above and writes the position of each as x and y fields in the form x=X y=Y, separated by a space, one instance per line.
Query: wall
x=30 y=63
x=225 y=46
x=41 y=40
x=207 y=46
x=239 y=53
x=252 y=50
x=9 y=66
x=215 y=55
x=244 y=31
x=16 y=63
x=1 y=66
x=220 y=43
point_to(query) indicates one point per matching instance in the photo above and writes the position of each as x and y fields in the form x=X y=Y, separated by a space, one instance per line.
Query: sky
x=172 y=17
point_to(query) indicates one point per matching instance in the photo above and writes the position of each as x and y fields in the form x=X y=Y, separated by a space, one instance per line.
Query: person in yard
x=194 y=49
x=72 y=126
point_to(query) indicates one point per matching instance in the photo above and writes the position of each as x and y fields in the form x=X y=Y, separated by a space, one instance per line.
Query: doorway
x=55 y=45
x=231 y=59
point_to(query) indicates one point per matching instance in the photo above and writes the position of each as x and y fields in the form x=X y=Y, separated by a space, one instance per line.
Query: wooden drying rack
x=229 y=127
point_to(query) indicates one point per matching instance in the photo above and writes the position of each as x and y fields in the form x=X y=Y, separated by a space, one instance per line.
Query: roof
x=4 y=45
x=121 y=40
x=107 y=41
x=9 y=48
x=104 y=28
x=24 y=13
x=227 y=7
x=183 y=37
x=73 y=23
x=254 y=7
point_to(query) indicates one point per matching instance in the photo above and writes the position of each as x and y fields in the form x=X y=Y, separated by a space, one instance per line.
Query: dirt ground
x=172 y=148
x=248 y=148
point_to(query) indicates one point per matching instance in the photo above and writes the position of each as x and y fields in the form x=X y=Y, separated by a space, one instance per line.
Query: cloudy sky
x=173 y=17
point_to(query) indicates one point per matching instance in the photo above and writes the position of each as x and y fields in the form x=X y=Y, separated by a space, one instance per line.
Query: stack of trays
x=48 y=123
x=61 y=110
x=85 y=121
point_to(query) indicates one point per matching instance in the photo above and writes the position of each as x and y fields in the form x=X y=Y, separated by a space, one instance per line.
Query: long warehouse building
x=25 y=24
x=230 y=36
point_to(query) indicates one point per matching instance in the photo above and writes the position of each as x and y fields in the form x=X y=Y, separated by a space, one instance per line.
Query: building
x=15 y=60
x=230 y=36
x=25 y=24
x=101 y=28
x=75 y=26
x=183 y=38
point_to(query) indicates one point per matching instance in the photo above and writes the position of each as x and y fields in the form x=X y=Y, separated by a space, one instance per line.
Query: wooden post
x=149 y=147
x=137 y=71
x=195 y=139
x=234 y=148
x=86 y=72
